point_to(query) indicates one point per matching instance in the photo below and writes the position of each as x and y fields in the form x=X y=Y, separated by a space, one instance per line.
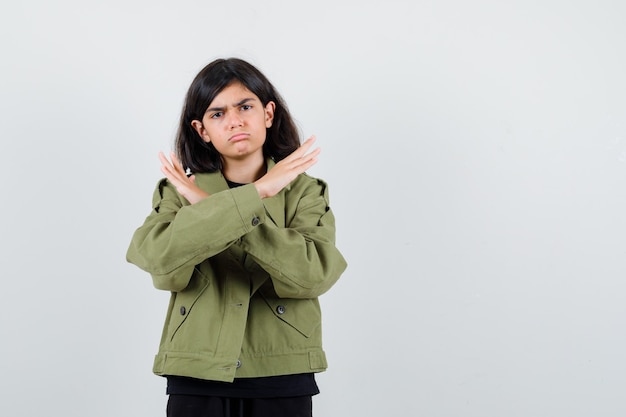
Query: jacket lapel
x=212 y=183
x=275 y=206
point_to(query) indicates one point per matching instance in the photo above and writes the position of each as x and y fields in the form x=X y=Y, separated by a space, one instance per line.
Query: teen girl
x=245 y=243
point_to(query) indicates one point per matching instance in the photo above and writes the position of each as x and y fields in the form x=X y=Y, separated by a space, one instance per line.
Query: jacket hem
x=208 y=367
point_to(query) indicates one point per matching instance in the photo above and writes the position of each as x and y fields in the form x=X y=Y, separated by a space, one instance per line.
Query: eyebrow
x=239 y=103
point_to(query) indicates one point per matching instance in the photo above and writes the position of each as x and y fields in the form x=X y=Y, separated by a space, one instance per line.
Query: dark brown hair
x=199 y=156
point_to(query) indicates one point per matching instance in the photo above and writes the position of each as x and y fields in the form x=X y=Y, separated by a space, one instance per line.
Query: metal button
x=183 y=310
x=238 y=363
x=280 y=309
x=255 y=221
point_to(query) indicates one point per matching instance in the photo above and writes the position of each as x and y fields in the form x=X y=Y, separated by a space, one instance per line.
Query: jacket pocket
x=185 y=301
x=303 y=315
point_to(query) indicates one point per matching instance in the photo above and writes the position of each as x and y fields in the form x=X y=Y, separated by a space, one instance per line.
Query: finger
x=168 y=174
x=315 y=152
x=170 y=171
x=175 y=179
x=176 y=162
x=307 y=144
x=307 y=164
x=163 y=159
x=307 y=157
x=165 y=163
x=302 y=149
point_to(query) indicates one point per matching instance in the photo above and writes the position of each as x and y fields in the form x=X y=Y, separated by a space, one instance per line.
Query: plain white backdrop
x=476 y=156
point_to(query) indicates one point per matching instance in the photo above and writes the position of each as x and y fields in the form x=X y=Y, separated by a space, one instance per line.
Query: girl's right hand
x=287 y=170
x=178 y=177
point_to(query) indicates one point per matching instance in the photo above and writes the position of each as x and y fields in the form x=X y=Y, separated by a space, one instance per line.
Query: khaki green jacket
x=244 y=275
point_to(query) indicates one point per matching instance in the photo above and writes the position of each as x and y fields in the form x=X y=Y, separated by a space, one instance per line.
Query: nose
x=235 y=120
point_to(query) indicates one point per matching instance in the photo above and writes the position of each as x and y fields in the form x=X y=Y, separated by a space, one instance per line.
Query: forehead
x=232 y=94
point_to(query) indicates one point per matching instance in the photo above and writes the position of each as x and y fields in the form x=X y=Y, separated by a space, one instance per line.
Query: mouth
x=238 y=137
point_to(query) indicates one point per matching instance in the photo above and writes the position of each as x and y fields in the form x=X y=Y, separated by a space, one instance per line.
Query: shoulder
x=165 y=191
x=307 y=181
x=307 y=186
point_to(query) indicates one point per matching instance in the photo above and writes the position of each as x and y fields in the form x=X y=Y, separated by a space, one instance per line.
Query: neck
x=244 y=172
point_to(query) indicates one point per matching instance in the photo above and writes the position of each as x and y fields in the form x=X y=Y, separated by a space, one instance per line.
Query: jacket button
x=183 y=310
x=280 y=309
x=255 y=221
x=238 y=363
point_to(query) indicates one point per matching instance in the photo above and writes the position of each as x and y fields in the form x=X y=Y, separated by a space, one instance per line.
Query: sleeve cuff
x=249 y=205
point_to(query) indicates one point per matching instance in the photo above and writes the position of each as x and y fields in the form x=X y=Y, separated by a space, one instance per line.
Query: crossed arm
x=268 y=185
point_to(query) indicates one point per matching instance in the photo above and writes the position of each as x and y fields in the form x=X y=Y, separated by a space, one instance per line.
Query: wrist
x=260 y=189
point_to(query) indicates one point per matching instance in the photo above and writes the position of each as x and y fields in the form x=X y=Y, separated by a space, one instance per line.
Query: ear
x=269 y=113
x=198 y=127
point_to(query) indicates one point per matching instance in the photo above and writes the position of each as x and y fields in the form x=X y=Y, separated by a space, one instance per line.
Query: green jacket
x=244 y=275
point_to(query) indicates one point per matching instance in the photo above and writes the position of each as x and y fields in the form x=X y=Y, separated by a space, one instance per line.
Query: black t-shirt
x=262 y=387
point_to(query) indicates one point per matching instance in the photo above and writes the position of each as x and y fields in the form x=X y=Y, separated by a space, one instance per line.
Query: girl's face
x=235 y=123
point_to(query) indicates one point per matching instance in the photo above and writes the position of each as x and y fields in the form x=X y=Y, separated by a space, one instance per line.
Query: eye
x=246 y=107
x=216 y=115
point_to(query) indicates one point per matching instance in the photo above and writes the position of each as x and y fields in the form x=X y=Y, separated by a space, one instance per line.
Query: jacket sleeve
x=301 y=258
x=177 y=236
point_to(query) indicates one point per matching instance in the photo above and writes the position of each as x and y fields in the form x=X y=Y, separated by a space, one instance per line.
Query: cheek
x=208 y=131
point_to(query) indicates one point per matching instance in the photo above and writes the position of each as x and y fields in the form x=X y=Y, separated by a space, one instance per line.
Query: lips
x=238 y=137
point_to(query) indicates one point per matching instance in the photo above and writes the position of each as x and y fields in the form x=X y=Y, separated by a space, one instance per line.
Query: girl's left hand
x=175 y=173
x=287 y=169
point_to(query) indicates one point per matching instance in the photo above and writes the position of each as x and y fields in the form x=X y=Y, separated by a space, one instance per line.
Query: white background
x=476 y=156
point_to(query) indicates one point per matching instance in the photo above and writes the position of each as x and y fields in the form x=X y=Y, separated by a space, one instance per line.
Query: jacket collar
x=215 y=182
